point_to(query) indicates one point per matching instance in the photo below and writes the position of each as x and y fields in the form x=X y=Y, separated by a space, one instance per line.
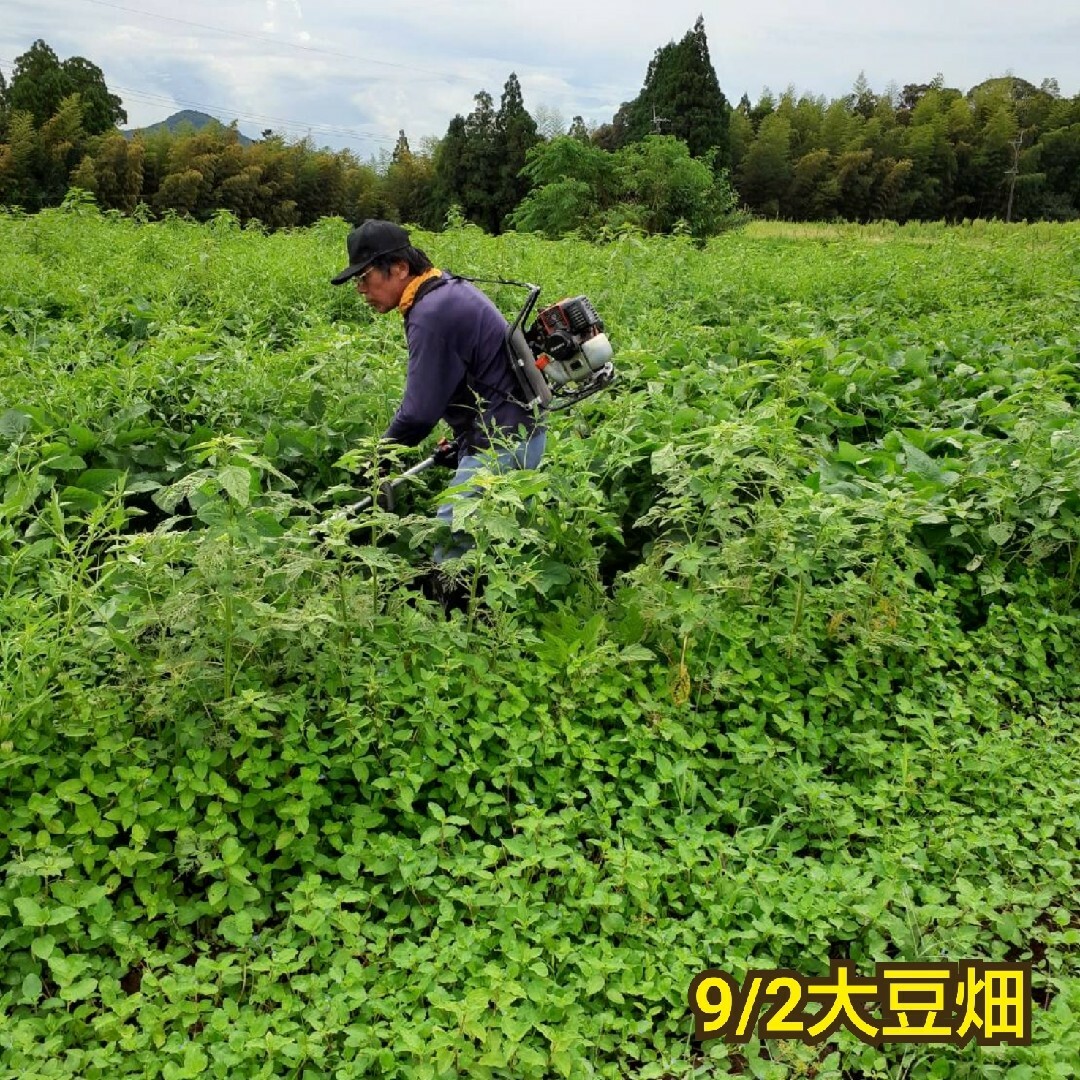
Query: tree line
x=677 y=157
x=1005 y=149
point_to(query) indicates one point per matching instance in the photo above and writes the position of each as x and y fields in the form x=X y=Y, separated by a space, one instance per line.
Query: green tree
x=60 y=143
x=862 y=100
x=18 y=157
x=740 y=133
x=274 y=160
x=881 y=132
x=557 y=208
x=912 y=94
x=682 y=97
x=806 y=116
x=515 y=136
x=927 y=144
x=102 y=110
x=616 y=134
x=181 y=191
x=402 y=150
x=468 y=167
x=318 y=182
x=569 y=179
x=567 y=157
x=192 y=172
x=1058 y=159
x=113 y=170
x=409 y=185
x=855 y=184
x=40 y=82
x=653 y=184
x=659 y=175
x=813 y=192
x=839 y=128
x=766 y=106
x=37 y=83
x=450 y=166
x=482 y=165
x=765 y=172
x=238 y=184
x=362 y=194
x=890 y=199
x=156 y=146
x=987 y=179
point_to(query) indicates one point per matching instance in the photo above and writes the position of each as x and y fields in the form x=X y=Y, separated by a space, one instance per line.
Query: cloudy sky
x=351 y=73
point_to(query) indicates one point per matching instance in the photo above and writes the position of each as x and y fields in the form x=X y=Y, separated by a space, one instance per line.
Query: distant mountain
x=197 y=120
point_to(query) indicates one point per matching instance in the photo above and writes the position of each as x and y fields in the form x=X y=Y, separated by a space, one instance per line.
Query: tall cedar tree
x=450 y=166
x=481 y=160
x=682 y=97
x=516 y=135
x=466 y=168
x=480 y=156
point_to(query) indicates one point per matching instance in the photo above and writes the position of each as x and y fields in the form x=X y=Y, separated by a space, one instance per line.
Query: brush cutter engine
x=563 y=357
x=569 y=342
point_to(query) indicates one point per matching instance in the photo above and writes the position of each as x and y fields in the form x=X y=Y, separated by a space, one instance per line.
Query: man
x=458 y=371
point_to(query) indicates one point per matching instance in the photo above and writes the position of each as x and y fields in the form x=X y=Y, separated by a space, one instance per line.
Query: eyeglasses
x=359 y=281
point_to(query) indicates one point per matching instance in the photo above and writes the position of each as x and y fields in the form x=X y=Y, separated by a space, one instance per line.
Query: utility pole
x=1012 y=173
x=657 y=121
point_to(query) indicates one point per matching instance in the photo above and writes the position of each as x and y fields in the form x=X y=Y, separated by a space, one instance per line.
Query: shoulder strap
x=534 y=387
x=491 y=280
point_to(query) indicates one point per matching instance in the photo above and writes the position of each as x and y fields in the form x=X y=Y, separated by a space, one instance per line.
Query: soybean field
x=773 y=663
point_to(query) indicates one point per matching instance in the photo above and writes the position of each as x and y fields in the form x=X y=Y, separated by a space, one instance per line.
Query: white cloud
x=342 y=66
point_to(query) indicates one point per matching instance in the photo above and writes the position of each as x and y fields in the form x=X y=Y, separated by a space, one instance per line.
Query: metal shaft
x=389 y=487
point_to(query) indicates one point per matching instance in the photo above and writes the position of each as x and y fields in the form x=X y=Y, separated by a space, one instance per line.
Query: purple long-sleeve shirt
x=458 y=370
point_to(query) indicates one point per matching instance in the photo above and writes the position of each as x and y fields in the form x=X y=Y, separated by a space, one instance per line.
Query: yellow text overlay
x=915 y=1002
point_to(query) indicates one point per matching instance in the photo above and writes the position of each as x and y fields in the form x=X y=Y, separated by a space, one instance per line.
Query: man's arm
x=435 y=371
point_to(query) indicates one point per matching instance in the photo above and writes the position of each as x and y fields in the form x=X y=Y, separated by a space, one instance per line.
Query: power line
x=424 y=72
x=148 y=97
x=416 y=73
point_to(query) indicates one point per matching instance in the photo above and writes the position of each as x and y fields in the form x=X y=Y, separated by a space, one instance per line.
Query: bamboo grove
x=1005 y=149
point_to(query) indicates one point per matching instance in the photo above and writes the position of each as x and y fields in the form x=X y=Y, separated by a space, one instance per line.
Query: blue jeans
x=525 y=455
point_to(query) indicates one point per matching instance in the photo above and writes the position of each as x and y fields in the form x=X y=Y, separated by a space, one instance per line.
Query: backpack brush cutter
x=561 y=359
x=564 y=357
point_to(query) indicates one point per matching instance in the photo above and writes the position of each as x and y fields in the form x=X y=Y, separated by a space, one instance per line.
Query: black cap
x=367 y=242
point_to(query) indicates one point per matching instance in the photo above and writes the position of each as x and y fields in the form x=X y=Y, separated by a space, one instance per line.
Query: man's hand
x=446 y=454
